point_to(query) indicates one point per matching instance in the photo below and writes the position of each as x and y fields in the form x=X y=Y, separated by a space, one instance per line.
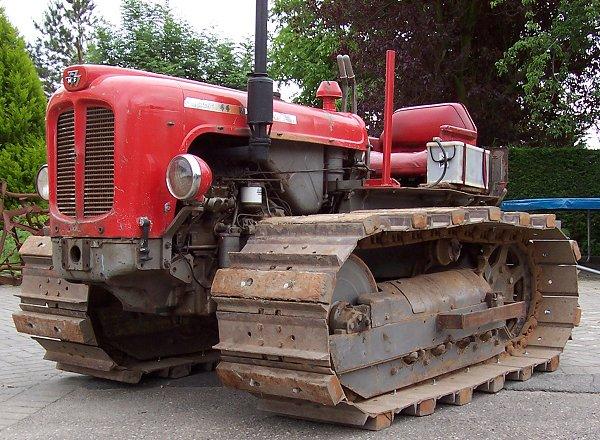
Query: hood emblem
x=72 y=78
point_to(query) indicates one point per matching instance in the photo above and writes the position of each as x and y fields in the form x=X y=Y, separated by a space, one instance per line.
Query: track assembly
x=96 y=337
x=354 y=318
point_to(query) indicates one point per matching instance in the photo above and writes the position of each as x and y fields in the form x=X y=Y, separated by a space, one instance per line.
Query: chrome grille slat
x=99 y=161
x=65 y=163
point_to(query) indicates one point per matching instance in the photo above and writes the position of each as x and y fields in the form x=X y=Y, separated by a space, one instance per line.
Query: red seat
x=413 y=127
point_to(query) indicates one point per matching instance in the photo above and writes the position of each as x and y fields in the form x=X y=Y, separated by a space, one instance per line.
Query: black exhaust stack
x=260 y=88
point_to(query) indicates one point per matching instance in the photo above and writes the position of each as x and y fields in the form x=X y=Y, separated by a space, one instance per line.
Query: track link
x=275 y=299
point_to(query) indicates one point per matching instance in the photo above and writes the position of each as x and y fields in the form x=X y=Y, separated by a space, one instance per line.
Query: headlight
x=41 y=183
x=188 y=177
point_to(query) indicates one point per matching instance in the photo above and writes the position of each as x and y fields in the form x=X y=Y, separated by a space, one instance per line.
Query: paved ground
x=37 y=401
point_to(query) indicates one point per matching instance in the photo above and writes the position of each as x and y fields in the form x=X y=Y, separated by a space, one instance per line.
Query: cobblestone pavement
x=36 y=399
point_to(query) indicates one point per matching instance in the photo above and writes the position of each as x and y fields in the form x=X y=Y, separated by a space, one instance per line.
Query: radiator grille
x=65 y=163
x=99 y=161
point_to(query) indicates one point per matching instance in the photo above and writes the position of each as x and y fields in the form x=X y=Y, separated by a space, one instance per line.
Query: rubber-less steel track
x=275 y=299
x=59 y=315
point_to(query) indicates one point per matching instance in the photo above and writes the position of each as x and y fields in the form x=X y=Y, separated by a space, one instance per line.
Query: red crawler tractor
x=340 y=277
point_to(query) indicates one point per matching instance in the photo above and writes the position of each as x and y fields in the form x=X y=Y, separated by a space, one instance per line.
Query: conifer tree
x=22 y=109
x=65 y=32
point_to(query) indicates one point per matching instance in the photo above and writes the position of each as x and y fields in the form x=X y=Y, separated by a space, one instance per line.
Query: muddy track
x=277 y=338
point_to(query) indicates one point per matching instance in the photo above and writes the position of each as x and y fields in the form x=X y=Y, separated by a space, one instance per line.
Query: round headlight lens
x=41 y=183
x=188 y=177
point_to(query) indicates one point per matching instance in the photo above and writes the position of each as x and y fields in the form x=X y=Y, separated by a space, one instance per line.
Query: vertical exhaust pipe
x=344 y=80
x=260 y=88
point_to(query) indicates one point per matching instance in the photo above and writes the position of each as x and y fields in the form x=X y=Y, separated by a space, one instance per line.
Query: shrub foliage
x=22 y=109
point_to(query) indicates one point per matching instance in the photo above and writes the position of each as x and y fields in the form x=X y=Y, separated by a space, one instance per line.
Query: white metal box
x=467 y=165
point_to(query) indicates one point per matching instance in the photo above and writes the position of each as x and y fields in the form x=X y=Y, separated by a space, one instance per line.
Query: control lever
x=144 y=248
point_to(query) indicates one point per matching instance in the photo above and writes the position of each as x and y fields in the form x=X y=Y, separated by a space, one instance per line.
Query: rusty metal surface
x=558 y=310
x=19 y=214
x=396 y=374
x=383 y=362
x=313 y=387
x=65 y=328
x=467 y=320
x=558 y=280
x=273 y=285
x=439 y=292
x=276 y=335
x=59 y=316
x=77 y=354
x=353 y=351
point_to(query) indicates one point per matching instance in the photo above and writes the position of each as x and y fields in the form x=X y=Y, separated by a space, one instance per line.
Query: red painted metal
x=206 y=179
x=413 y=127
x=152 y=125
x=452 y=133
x=329 y=92
x=386 y=169
x=402 y=164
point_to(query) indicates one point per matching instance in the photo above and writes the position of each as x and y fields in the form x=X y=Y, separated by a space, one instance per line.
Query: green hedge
x=558 y=172
x=19 y=164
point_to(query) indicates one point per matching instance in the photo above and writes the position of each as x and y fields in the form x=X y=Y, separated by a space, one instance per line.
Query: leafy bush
x=19 y=164
x=558 y=172
x=22 y=110
x=22 y=101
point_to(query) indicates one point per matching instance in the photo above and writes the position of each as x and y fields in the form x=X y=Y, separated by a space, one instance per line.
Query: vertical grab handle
x=390 y=63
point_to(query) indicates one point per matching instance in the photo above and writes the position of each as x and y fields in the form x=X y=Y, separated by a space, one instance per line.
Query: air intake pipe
x=260 y=89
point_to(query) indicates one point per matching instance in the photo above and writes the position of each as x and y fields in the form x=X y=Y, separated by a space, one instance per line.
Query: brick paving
x=582 y=354
x=28 y=383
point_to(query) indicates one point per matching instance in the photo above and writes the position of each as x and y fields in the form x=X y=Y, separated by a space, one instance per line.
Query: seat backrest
x=413 y=127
